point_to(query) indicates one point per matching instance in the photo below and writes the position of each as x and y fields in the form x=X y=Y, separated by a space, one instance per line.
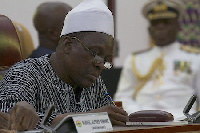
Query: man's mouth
x=93 y=77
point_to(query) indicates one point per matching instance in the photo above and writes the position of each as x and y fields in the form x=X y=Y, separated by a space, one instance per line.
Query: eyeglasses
x=97 y=58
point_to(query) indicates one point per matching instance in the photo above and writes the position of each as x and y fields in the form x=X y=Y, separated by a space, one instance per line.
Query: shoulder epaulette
x=190 y=49
x=142 y=51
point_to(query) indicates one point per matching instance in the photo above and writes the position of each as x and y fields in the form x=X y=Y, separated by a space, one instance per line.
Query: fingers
x=33 y=124
x=117 y=115
x=7 y=131
x=23 y=117
x=29 y=122
x=4 y=120
x=4 y=116
x=4 y=125
x=17 y=119
x=24 y=120
x=33 y=120
x=116 y=122
x=120 y=111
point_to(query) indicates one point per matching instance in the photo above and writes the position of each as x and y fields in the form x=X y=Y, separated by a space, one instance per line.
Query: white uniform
x=170 y=91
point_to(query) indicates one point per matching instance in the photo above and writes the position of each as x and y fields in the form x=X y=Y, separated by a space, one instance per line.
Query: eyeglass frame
x=98 y=59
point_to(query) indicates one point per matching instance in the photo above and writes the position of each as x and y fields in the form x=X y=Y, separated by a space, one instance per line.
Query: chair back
x=26 y=41
x=10 y=49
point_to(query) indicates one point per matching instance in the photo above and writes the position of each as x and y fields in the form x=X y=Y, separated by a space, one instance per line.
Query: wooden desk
x=158 y=129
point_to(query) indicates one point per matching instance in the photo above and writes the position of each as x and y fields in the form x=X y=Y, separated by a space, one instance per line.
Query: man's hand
x=117 y=115
x=7 y=131
x=23 y=116
x=4 y=121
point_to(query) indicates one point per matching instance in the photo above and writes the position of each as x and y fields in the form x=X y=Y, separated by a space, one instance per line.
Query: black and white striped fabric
x=33 y=80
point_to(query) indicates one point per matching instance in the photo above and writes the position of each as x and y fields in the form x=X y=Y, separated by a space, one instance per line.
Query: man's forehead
x=99 y=38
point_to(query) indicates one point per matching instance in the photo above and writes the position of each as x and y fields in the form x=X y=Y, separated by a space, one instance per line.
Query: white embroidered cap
x=90 y=15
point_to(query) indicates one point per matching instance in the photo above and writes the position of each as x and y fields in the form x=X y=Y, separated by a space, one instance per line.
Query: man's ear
x=67 y=44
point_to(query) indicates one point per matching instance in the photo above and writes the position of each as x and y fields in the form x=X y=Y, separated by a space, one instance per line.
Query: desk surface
x=157 y=129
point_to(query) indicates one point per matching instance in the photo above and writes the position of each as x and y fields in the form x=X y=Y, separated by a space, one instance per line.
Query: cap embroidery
x=160 y=7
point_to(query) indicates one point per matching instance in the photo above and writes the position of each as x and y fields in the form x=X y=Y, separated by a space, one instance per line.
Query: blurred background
x=130 y=27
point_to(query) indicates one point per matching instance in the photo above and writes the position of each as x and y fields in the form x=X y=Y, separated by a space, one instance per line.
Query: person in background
x=10 y=53
x=25 y=38
x=48 y=21
x=165 y=76
x=69 y=78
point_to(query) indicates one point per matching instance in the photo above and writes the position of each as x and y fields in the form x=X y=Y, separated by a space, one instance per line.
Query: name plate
x=92 y=122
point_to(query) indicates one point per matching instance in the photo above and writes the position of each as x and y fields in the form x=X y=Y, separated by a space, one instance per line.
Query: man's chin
x=162 y=43
x=87 y=85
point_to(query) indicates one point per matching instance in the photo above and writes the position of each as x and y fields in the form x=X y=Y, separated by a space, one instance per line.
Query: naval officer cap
x=90 y=15
x=163 y=9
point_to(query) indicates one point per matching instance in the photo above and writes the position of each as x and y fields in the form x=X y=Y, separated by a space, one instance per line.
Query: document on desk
x=157 y=123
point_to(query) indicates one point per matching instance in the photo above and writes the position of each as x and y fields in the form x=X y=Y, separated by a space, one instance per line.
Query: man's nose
x=161 y=25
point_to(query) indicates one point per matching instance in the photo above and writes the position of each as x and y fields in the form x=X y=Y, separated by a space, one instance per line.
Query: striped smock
x=34 y=80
